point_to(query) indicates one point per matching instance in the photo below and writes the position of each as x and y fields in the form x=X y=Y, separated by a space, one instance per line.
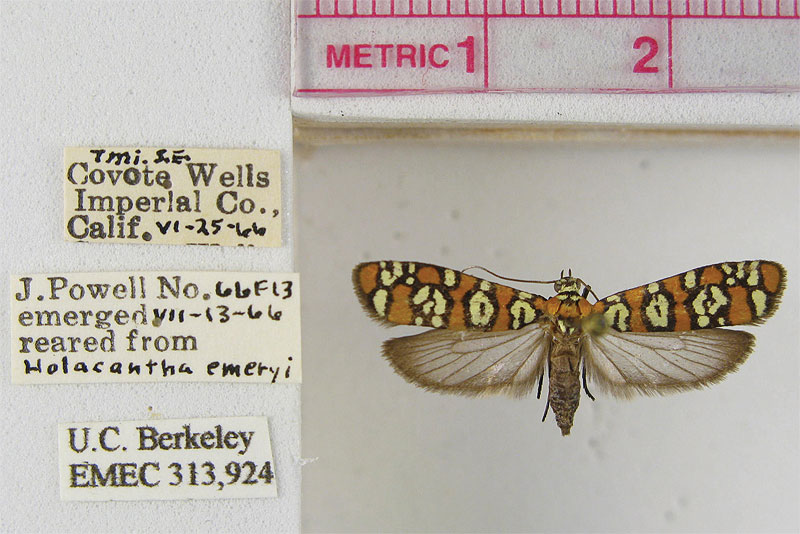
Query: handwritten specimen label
x=160 y=459
x=155 y=327
x=173 y=196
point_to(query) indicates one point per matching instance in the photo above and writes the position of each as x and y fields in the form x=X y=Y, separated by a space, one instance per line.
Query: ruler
x=350 y=47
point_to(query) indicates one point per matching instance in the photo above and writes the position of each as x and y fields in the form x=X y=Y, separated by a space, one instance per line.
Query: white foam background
x=391 y=457
x=167 y=73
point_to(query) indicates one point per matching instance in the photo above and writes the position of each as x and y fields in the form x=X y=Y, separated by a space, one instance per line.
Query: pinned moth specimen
x=488 y=338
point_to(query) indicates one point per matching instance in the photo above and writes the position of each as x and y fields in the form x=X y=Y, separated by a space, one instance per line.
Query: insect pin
x=489 y=338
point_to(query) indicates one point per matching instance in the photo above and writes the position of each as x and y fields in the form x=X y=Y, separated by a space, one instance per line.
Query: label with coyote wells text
x=172 y=196
x=155 y=327
x=160 y=459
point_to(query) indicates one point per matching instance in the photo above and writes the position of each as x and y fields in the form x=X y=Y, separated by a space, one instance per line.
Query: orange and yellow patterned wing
x=723 y=294
x=420 y=294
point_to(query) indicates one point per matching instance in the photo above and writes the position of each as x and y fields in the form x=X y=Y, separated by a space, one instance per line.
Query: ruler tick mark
x=486 y=44
x=670 y=82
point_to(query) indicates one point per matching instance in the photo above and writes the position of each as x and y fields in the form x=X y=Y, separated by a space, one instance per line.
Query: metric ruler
x=346 y=47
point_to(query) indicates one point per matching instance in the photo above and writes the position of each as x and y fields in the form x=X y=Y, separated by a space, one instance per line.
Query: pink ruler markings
x=541 y=8
x=491 y=9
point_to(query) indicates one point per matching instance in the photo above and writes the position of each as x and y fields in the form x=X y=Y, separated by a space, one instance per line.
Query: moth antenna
x=507 y=278
x=585 y=387
x=539 y=391
x=588 y=289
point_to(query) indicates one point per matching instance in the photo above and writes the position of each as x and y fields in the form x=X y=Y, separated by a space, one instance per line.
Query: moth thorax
x=566 y=326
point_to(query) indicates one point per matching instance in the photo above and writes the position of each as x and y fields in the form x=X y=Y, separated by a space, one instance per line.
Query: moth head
x=567 y=284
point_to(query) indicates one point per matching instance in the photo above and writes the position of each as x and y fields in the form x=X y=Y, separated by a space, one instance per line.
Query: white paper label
x=209 y=458
x=155 y=327
x=174 y=196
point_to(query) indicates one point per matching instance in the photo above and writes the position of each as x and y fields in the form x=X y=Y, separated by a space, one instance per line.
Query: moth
x=489 y=338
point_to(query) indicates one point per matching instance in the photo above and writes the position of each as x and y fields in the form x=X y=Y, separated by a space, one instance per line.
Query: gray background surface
x=392 y=457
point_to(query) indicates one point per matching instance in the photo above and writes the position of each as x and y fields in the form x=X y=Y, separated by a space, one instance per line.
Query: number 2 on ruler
x=652 y=49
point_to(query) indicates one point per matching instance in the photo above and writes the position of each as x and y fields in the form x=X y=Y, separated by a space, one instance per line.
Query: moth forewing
x=723 y=294
x=363 y=286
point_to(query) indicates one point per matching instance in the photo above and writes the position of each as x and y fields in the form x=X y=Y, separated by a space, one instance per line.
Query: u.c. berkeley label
x=155 y=327
x=209 y=458
x=174 y=196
